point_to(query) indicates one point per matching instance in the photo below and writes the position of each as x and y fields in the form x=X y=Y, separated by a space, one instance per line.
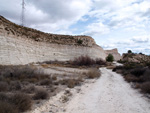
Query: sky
x=122 y=24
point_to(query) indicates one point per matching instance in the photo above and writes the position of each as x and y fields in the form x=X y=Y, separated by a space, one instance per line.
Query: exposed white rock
x=21 y=45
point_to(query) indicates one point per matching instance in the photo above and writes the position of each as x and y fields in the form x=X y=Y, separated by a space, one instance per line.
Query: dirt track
x=109 y=94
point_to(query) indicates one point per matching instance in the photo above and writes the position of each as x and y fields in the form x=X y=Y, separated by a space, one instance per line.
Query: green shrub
x=110 y=58
x=129 y=51
x=79 y=41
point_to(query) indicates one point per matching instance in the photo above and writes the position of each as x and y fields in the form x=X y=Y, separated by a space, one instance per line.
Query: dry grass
x=6 y=107
x=41 y=94
x=93 y=73
x=137 y=73
x=4 y=86
x=14 y=103
x=22 y=101
x=87 y=61
x=46 y=82
x=145 y=87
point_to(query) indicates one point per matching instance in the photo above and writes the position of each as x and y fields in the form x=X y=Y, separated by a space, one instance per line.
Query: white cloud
x=96 y=29
x=121 y=23
x=141 y=39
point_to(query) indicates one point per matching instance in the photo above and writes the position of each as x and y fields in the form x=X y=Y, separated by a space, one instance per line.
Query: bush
x=3 y=96
x=46 y=82
x=22 y=73
x=79 y=41
x=83 y=60
x=118 y=68
x=29 y=89
x=100 y=61
x=4 y=86
x=41 y=94
x=71 y=83
x=129 y=51
x=6 y=107
x=54 y=77
x=138 y=71
x=110 y=58
x=93 y=73
x=146 y=76
x=145 y=87
x=15 y=85
x=131 y=78
x=22 y=101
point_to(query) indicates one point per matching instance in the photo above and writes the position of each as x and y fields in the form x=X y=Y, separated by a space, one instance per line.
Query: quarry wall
x=15 y=51
x=21 y=45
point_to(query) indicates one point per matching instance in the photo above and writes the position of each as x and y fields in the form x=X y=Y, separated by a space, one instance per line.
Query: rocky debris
x=135 y=58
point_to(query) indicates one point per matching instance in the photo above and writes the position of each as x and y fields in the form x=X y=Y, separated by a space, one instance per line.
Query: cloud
x=45 y=15
x=61 y=13
x=141 y=39
x=95 y=29
x=122 y=13
x=109 y=46
x=118 y=24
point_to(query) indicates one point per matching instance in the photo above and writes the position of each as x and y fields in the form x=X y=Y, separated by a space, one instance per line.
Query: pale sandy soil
x=108 y=94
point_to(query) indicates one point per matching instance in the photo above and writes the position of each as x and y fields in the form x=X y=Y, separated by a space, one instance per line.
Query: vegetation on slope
x=24 y=32
x=136 y=69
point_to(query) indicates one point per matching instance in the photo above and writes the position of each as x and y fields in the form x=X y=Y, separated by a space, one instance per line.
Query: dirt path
x=109 y=94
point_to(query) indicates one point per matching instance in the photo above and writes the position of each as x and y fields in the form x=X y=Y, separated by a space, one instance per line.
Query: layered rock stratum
x=22 y=45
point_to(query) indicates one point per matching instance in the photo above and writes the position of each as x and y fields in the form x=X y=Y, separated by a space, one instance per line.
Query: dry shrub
x=99 y=61
x=22 y=101
x=29 y=89
x=138 y=71
x=64 y=99
x=46 y=82
x=71 y=83
x=14 y=103
x=93 y=73
x=56 y=83
x=3 y=96
x=83 y=60
x=41 y=94
x=146 y=76
x=15 y=85
x=131 y=78
x=6 y=107
x=54 y=77
x=118 y=68
x=22 y=73
x=145 y=87
x=4 y=86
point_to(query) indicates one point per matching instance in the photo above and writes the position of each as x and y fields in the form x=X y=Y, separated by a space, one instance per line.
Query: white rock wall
x=19 y=50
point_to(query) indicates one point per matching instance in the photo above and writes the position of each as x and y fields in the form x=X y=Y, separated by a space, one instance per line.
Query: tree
x=129 y=51
x=110 y=58
x=79 y=41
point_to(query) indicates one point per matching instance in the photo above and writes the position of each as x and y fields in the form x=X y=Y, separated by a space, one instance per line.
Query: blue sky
x=122 y=24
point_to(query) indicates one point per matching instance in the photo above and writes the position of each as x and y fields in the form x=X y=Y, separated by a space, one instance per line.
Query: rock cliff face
x=115 y=53
x=22 y=45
